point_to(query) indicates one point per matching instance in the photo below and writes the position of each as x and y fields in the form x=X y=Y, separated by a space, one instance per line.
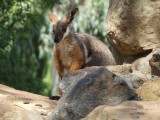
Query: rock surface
x=126 y=71
x=133 y=26
x=20 y=105
x=150 y=90
x=155 y=64
x=149 y=64
x=89 y=88
x=130 y=110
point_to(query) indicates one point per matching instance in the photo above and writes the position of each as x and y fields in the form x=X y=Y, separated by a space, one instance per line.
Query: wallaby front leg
x=76 y=65
x=77 y=58
x=58 y=63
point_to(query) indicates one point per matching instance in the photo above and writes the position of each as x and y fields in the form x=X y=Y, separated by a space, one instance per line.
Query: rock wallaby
x=73 y=51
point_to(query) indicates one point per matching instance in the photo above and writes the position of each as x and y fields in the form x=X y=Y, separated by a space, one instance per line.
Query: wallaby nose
x=56 y=40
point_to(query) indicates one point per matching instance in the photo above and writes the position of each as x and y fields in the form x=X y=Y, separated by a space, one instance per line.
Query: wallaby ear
x=71 y=15
x=53 y=18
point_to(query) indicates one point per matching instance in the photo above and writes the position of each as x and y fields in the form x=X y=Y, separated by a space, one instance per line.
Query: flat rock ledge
x=20 y=105
x=129 y=110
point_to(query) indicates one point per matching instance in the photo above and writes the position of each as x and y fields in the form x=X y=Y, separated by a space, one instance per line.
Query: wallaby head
x=62 y=28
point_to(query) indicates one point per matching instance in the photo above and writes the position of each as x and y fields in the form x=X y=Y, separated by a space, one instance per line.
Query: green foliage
x=47 y=79
x=91 y=18
x=22 y=24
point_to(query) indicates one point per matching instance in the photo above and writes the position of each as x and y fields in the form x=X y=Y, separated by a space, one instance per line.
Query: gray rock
x=71 y=78
x=155 y=64
x=87 y=89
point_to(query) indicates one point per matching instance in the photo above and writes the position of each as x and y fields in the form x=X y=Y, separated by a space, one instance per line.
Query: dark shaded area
x=54 y=97
x=155 y=64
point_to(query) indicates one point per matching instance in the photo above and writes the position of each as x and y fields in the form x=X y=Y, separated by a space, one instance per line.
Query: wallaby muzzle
x=56 y=39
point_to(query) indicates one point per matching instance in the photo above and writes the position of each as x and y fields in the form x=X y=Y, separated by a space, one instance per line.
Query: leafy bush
x=22 y=24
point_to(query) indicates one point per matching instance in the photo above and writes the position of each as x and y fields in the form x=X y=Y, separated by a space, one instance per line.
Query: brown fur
x=73 y=51
x=77 y=57
x=67 y=58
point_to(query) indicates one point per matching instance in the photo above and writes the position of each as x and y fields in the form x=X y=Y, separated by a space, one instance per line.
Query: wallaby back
x=95 y=52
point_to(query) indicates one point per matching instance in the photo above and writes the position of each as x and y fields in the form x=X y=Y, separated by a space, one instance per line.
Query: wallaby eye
x=64 y=30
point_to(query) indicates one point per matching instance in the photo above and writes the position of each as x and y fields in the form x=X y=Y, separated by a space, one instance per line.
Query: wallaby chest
x=64 y=49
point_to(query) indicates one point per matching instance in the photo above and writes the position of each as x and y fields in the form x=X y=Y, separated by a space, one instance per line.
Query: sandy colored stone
x=150 y=90
x=126 y=71
x=130 y=110
x=121 y=69
x=133 y=26
x=21 y=105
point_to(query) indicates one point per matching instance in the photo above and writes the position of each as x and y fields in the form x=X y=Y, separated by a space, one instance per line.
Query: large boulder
x=133 y=26
x=20 y=105
x=130 y=110
x=83 y=90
